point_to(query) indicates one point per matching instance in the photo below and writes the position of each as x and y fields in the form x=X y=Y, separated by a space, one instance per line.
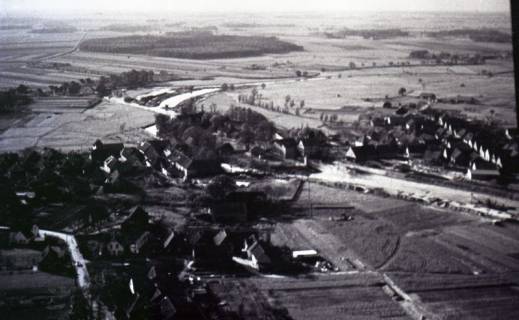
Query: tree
x=287 y=99
x=224 y=87
x=162 y=122
x=220 y=187
x=263 y=86
x=298 y=73
x=353 y=65
x=264 y=131
x=22 y=89
x=246 y=136
x=402 y=91
x=102 y=90
x=74 y=88
x=302 y=103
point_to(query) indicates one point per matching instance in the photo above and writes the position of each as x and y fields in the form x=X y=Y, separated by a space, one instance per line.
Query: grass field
x=79 y=130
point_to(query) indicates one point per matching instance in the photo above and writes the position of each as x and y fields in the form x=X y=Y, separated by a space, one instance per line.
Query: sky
x=60 y=6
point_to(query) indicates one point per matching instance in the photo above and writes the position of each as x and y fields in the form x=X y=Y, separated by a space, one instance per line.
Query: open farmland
x=393 y=235
x=461 y=296
x=358 y=296
x=288 y=121
x=63 y=104
x=78 y=130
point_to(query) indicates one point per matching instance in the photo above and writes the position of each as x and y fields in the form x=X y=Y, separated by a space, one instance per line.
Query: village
x=258 y=165
x=234 y=178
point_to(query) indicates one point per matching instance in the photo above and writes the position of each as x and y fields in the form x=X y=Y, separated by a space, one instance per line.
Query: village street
x=79 y=262
x=424 y=191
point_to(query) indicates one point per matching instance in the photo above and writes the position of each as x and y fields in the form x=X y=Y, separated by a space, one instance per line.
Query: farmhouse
x=191 y=167
x=255 y=253
x=210 y=247
x=101 y=151
x=312 y=148
x=137 y=243
x=114 y=248
x=136 y=222
x=24 y=235
x=155 y=153
x=286 y=148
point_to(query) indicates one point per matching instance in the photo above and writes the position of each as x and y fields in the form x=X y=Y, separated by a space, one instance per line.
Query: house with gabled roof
x=256 y=256
x=155 y=153
x=286 y=148
x=194 y=166
x=101 y=151
x=211 y=246
x=136 y=221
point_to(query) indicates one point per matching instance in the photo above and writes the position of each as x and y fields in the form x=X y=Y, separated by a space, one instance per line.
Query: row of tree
x=11 y=100
x=255 y=99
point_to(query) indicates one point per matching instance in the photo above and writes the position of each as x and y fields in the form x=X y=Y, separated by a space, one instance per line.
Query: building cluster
x=34 y=270
x=443 y=139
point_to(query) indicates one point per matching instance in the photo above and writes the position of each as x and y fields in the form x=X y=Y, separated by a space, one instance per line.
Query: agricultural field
x=393 y=235
x=358 y=296
x=63 y=104
x=461 y=296
x=78 y=130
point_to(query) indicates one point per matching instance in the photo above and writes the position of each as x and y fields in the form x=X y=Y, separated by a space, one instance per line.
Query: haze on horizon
x=172 y=6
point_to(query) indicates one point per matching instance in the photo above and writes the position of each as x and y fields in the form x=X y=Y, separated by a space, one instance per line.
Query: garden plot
x=413 y=218
x=358 y=296
x=419 y=255
x=494 y=252
x=462 y=296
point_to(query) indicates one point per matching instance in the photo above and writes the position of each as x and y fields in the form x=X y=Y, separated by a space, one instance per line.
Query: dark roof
x=287 y=143
x=226 y=147
x=257 y=251
x=181 y=159
x=369 y=152
x=101 y=151
x=401 y=111
x=167 y=309
x=257 y=151
x=132 y=154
